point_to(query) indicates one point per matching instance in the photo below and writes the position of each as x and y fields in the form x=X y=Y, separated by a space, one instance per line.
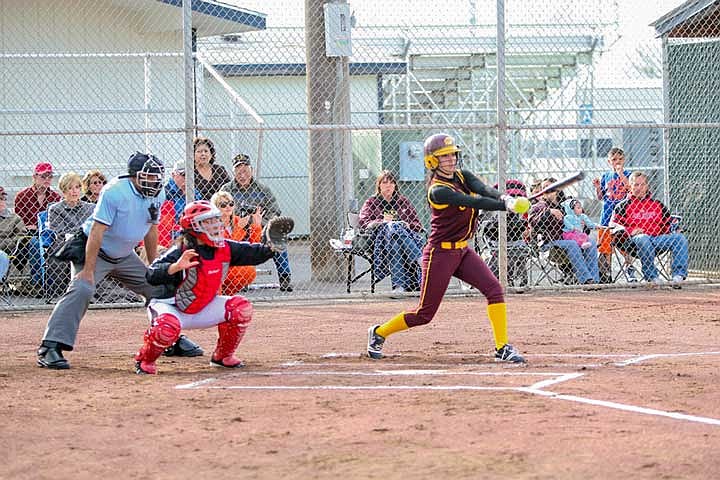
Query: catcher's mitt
x=276 y=231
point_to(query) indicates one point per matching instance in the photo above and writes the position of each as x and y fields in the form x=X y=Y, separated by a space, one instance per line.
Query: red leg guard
x=238 y=313
x=164 y=331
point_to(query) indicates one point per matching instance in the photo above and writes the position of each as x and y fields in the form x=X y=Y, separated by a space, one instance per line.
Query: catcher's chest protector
x=202 y=283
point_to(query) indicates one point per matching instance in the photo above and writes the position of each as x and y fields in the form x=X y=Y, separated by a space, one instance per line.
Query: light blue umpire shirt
x=126 y=213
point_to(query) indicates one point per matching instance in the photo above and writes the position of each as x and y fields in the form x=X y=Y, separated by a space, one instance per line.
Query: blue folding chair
x=45 y=238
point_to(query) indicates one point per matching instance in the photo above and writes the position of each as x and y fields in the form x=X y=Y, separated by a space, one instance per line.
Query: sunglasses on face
x=226 y=204
x=98 y=182
x=3 y=197
x=46 y=176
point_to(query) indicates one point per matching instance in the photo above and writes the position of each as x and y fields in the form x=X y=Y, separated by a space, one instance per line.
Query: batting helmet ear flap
x=431 y=162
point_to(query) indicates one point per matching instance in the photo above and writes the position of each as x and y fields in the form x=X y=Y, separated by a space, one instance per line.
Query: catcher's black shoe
x=184 y=347
x=50 y=356
x=507 y=353
x=375 y=343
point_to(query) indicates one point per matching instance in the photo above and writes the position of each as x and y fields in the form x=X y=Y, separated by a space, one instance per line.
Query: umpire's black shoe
x=50 y=356
x=184 y=347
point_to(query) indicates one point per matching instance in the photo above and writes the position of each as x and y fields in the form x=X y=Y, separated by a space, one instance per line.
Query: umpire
x=126 y=212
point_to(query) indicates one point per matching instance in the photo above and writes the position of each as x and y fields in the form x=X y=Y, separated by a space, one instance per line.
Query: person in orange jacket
x=246 y=228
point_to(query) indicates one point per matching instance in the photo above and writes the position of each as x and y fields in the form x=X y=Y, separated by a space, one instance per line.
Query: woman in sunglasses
x=243 y=228
x=92 y=183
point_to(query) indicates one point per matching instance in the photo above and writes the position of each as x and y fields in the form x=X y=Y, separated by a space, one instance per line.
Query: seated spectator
x=576 y=224
x=209 y=176
x=12 y=229
x=173 y=206
x=396 y=232
x=647 y=224
x=28 y=203
x=65 y=218
x=249 y=194
x=92 y=183
x=516 y=230
x=546 y=219
x=246 y=227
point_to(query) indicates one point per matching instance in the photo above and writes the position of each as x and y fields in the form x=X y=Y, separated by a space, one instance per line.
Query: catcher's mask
x=438 y=145
x=201 y=219
x=149 y=171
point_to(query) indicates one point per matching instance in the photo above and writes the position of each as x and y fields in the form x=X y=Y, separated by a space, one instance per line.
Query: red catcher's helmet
x=437 y=145
x=202 y=220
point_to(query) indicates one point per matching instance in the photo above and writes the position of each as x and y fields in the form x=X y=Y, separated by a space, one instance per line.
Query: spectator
x=209 y=176
x=246 y=227
x=546 y=220
x=576 y=223
x=612 y=188
x=396 y=232
x=92 y=183
x=65 y=218
x=647 y=224
x=172 y=208
x=37 y=197
x=250 y=194
x=12 y=230
x=28 y=203
x=517 y=251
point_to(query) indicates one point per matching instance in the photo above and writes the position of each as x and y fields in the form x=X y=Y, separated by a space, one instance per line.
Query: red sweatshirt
x=646 y=213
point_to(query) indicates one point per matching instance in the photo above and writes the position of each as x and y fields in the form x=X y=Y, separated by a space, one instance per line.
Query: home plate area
x=345 y=372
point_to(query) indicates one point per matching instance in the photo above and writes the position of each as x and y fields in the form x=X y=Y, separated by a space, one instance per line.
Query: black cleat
x=50 y=356
x=184 y=347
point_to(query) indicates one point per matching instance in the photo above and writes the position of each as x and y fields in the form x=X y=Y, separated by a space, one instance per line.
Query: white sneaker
x=658 y=281
x=677 y=278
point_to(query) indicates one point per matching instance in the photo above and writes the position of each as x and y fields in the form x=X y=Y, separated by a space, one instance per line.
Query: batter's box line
x=535 y=389
x=653 y=356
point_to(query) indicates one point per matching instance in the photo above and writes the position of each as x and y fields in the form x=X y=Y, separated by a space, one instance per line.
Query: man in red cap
x=37 y=197
x=28 y=203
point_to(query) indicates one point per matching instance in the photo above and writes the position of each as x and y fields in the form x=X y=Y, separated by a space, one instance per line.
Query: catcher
x=193 y=271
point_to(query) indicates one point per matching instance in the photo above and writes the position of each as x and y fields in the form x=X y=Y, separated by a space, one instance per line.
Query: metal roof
x=688 y=11
x=437 y=59
x=210 y=17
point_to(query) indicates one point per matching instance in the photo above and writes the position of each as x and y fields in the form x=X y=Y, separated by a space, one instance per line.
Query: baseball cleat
x=227 y=362
x=145 y=368
x=507 y=353
x=375 y=343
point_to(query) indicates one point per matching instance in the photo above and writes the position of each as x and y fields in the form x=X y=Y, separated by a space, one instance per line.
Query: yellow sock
x=394 y=325
x=497 y=313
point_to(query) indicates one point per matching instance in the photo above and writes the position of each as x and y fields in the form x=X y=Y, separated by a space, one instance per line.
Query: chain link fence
x=309 y=105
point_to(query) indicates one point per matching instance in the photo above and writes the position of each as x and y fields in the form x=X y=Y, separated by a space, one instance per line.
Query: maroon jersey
x=451 y=223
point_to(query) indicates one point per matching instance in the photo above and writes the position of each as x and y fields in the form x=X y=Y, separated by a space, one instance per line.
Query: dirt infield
x=619 y=385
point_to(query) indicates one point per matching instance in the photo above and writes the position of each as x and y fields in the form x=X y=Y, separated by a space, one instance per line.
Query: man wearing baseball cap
x=126 y=212
x=37 y=197
x=28 y=203
x=249 y=194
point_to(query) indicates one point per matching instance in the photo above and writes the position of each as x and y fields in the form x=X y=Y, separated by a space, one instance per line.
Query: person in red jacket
x=648 y=225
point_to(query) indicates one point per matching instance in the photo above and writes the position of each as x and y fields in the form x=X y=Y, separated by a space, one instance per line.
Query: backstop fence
x=322 y=97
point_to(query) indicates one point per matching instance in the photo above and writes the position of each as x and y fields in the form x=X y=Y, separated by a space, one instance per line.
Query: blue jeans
x=584 y=261
x=648 y=246
x=282 y=263
x=35 y=259
x=4 y=264
x=404 y=249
